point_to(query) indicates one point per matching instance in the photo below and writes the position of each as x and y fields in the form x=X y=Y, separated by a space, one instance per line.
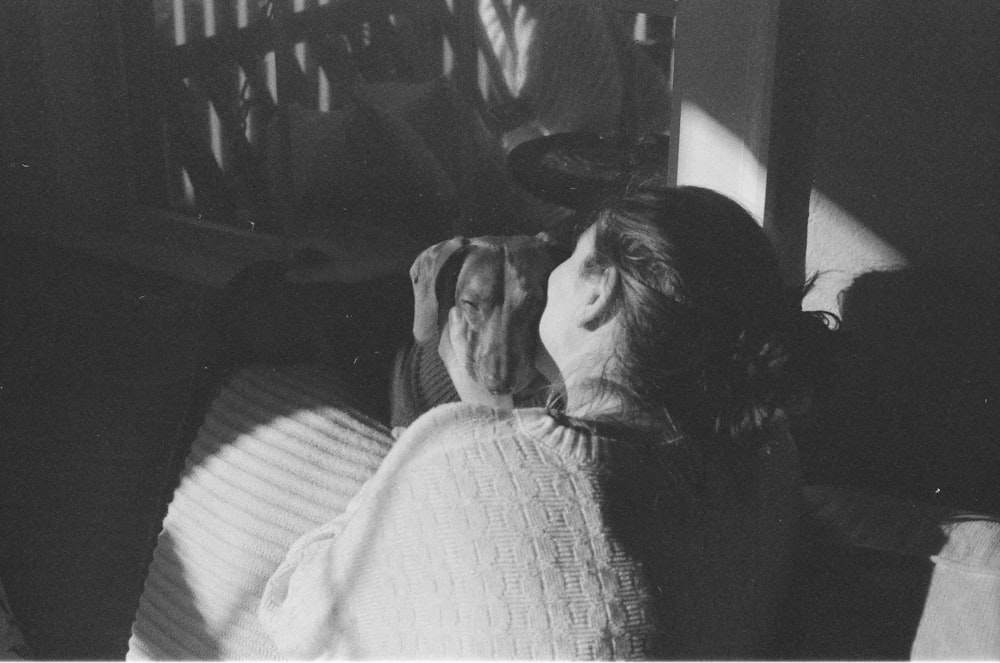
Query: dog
x=498 y=284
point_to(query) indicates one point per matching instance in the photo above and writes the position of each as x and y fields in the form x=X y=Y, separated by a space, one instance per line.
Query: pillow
x=281 y=451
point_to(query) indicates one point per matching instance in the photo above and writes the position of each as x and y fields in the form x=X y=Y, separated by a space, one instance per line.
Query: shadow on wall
x=911 y=408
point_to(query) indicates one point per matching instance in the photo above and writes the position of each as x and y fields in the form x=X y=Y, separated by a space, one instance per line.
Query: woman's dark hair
x=712 y=342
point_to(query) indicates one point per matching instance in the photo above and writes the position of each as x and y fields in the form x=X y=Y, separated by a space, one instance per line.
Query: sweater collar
x=586 y=441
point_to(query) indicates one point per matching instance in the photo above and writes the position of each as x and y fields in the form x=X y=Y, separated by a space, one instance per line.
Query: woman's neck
x=589 y=370
x=593 y=398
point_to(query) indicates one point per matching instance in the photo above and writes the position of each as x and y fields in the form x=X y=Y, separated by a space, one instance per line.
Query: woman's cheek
x=546 y=333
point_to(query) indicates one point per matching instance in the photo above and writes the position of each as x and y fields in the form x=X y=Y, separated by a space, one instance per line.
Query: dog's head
x=499 y=286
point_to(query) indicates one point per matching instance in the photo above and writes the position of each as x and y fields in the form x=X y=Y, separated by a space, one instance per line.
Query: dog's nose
x=496 y=385
x=497 y=380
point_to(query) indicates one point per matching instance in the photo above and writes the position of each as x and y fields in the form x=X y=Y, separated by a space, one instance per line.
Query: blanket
x=281 y=451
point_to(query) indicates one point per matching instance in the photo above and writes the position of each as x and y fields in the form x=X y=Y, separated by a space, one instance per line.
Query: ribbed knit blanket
x=281 y=451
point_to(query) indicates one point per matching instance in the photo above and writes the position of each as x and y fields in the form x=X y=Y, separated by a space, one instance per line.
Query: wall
x=722 y=97
x=71 y=123
x=66 y=161
x=906 y=137
x=879 y=147
x=24 y=160
x=872 y=126
x=903 y=103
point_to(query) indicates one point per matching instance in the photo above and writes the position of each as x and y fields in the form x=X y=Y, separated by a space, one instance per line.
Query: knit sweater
x=488 y=534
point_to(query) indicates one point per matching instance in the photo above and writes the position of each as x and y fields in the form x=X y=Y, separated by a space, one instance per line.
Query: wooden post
x=723 y=76
x=284 y=60
x=742 y=124
x=792 y=142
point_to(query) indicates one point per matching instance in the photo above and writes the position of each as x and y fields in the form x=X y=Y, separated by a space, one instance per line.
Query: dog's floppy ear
x=558 y=250
x=424 y=275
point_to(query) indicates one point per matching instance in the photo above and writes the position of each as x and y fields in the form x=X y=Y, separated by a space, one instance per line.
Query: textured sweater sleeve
x=302 y=607
x=471 y=541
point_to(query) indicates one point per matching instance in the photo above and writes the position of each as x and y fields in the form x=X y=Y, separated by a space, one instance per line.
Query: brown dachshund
x=498 y=284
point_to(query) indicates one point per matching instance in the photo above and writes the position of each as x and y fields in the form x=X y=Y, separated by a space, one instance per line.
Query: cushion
x=281 y=451
x=961 y=618
x=471 y=155
x=357 y=165
x=960 y=590
x=411 y=157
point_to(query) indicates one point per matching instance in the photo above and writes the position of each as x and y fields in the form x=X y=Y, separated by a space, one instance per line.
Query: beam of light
x=712 y=156
x=242 y=13
x=270 y=65
x=447 y=57
x=180 y=28
x=215 y=133
x=839 y=245
x=300 y=48
x=247 y=133
x=323 y=91
x=640 y=29
x=188 y=189
x=300 y=54
x=209 y=13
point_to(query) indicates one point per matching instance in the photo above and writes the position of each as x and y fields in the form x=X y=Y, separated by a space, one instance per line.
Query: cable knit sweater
x=488 y=534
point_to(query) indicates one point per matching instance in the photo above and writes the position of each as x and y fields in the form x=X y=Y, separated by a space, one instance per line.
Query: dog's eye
x=470 y=304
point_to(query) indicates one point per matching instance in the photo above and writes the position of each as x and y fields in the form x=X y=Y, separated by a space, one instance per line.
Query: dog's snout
x=497 y=389
x=496 y=375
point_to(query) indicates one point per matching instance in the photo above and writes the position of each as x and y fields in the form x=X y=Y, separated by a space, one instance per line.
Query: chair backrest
x=219 y=92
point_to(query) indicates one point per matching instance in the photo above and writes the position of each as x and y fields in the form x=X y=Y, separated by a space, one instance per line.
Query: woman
x=646 y=513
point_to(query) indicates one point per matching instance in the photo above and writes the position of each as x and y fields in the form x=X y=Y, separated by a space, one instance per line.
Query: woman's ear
x=597 y=298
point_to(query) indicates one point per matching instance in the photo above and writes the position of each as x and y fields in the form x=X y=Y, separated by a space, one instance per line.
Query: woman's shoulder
x=526 y=433
x=456 y=428
x=458 y=419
